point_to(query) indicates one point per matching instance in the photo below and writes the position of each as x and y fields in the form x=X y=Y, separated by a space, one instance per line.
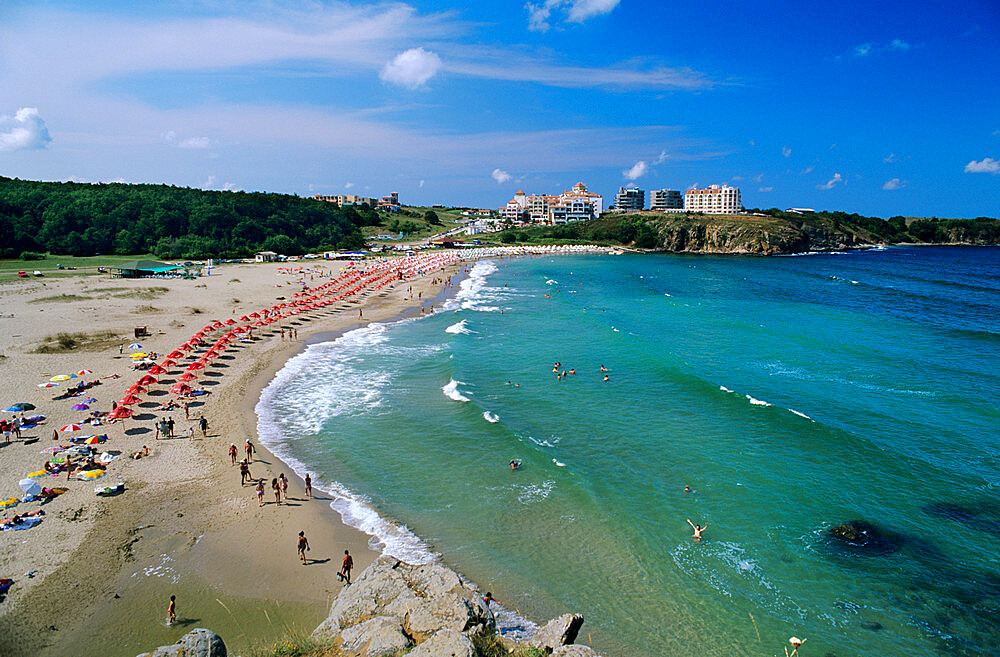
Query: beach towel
x=25 y=523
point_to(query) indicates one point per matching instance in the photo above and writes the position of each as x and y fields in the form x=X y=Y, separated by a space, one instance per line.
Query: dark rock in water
x=871 y=625
x=864 y=538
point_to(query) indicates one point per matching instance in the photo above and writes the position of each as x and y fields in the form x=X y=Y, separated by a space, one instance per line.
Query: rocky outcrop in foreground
x=196 y=643
x=429 y=610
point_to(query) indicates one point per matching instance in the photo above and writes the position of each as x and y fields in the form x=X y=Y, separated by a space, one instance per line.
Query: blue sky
x=881 y=108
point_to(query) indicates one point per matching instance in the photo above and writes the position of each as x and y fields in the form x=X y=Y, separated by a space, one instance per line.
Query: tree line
x=169 y=222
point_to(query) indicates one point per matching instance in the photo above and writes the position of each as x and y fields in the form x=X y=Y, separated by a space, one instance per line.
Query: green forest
x=169 y=222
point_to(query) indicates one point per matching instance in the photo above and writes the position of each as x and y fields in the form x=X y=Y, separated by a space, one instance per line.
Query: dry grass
x=195 y=311
x=147 y=310
x=62 y=343
x=142 y=293
x=61 y=298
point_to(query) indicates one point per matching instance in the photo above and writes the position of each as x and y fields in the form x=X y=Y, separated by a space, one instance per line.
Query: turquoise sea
x=792 y=394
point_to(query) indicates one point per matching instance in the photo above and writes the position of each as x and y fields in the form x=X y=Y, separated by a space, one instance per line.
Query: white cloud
x=229 y=187
x=752 y=142
x=837 y=178
x=210 y=183
x=986 y=165
x=806 y=171
x=638 y=170
x=765 y=189
x=500 y=176
x=420 y=184
x=581 y=10
x=24 y=131
x=411 y=68
x=538 y=15
x=661 y=158
x=577 y=11
x=786 y=151
x=890 y=159
x=348 y=185
x=898 y=44
x=894 y=183
x=863 y=50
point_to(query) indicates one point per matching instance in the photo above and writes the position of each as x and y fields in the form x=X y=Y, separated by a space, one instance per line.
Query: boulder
x=863 y=538
x=424 y=598
x=382 y=635
x=574 y=650
x=445 y=643
x=557 y=632
x=196 y=643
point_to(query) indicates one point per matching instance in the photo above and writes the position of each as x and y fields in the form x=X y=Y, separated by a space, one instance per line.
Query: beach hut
x=143 y=269
x=266 y=256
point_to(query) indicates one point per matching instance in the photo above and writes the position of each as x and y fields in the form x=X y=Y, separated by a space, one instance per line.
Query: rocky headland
x=395 y=608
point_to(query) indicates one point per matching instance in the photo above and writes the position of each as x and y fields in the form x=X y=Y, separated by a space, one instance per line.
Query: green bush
x=32 y=255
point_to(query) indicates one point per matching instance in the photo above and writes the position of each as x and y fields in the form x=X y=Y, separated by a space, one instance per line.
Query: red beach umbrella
x=146 y=380
x=244 y=318
x=128 y=400
x=195 y=366
x=168 y=363
x=71 y=427
x=230 y=321
x=175 y=354
x=120 y=413
x=180 y=388
x=134 y=390
x=187 y=376
x=156 y=369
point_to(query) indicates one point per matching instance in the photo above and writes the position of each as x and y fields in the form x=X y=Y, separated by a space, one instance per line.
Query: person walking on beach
x=245 y=473
x=698 y=529
x=303 y=547
x=170 y=427
x=488 y=598
x=277 y=492
x=172 y=610
x=260 y=493
x=309 y=487
x=191 y=432
x=283 y=484
x=250 y=449
x=232 y=452
x=346 y=565
x=187 y=411
x=204 y=425
x=157 y=425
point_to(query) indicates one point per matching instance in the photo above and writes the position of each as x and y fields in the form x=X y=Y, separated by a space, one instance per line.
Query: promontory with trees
x=176 y=222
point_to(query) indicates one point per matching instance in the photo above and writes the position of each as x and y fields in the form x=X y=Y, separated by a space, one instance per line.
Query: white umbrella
x=30 y=486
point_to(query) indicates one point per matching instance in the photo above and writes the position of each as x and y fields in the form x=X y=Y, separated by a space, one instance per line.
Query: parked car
x=22 y=274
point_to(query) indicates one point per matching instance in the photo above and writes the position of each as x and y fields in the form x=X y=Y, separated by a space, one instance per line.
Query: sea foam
x=450 y=391
x=492 y=418
x=458 y=327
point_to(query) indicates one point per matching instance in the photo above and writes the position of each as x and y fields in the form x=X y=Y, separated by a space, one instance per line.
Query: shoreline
x=198 y=529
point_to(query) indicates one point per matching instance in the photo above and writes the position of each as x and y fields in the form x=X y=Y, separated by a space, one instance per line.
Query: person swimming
x=698 y=529
x=515 y=464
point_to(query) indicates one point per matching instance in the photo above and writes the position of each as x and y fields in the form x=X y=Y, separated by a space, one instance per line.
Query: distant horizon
x=433 y=204
x=877 y=108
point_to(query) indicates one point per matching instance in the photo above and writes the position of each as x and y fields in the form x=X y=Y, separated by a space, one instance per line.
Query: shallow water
x=792 y=394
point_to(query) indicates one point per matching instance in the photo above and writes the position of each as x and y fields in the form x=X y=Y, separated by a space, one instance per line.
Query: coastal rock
x=864 y=538
x=445 y=643
x=424 y=599
x=557 y=632
x=196 y=643
x=382 y=635
x=574 y=650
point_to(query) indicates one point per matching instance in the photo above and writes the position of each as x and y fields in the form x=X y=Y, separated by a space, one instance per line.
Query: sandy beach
x=105 y=567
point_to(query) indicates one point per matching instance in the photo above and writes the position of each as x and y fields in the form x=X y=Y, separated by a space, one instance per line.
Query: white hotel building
x=714 y=200
x=575 y=204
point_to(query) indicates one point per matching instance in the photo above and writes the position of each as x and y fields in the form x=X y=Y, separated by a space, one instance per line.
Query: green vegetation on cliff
x=170 y=222
x=767 y=232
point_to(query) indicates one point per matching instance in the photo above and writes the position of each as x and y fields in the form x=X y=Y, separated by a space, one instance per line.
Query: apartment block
x=716 y=199
x=666 y=200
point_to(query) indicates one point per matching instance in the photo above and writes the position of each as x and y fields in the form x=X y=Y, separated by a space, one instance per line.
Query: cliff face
x=750 y=235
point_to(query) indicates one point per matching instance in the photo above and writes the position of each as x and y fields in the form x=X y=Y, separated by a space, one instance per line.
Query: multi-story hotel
x=348 y=199
x=576 y=204
x=666 y=200
x=714 y=200
x=630 y=198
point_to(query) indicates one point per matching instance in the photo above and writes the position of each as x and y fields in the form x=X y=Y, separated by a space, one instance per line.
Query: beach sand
x=184 y=526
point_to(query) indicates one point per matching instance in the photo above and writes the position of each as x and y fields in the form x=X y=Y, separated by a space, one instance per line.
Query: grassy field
x=49 y=266
x=450 y=218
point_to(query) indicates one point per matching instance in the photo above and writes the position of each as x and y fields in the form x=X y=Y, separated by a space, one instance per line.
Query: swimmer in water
x=514 y=465
x=572 y=371
x=607 y=378
x=698 y=529
x=687 y=488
